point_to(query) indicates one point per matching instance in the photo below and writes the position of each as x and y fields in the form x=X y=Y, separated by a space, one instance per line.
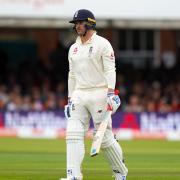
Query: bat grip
x=109 y=108
x=116 y=91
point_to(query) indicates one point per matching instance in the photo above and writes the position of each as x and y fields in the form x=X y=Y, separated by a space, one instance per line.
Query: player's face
x=80 y=27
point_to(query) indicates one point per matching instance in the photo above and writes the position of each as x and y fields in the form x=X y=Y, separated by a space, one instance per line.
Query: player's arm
x=71 y=87
x=71 y=77
x=109 y=65
x=113 y=100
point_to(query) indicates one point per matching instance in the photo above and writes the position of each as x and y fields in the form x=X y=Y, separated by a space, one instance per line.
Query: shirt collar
x=78 y=40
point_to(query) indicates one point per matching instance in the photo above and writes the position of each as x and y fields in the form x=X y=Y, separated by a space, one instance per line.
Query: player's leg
x=113 y=153
x=75 y=148
x=111 y=148
x=77 y=126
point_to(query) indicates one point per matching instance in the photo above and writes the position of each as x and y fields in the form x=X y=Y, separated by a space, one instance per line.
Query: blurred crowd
x=38 y=98
x=36 y=84
x=149 y=96
x=42 y=85
x=149 y=89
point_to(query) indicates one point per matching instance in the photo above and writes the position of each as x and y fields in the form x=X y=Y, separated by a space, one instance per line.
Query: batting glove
x=113 y=101
x=67 y=109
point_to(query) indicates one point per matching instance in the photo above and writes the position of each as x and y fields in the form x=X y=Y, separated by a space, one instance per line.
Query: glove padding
x=113 y=101
x=67 y=110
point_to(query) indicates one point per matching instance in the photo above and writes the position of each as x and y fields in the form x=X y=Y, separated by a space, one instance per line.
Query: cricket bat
x=97 y=140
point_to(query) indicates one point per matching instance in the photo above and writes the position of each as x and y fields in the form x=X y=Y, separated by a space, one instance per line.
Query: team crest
x=75 y=50
x=90 y=51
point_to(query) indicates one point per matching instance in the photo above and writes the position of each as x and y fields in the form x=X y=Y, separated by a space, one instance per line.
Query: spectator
x=134 y=104
x=43 y=86
x=3 y=97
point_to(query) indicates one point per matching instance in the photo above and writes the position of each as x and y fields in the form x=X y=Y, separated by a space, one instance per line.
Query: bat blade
x=97 y=140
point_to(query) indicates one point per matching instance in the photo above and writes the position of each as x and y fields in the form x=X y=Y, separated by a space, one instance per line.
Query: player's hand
x=113 y=101
x=67 y=109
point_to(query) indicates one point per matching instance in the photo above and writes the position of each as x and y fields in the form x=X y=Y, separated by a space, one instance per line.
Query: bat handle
x=109 y=108
x=116 y=91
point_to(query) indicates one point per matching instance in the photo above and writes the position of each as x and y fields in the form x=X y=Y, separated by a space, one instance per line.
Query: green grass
x=42 y=159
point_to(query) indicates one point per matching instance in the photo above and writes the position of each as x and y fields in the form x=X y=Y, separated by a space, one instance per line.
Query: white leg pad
x=75 y=148
x=75 y=155
x=108 y=138
x=113 y=154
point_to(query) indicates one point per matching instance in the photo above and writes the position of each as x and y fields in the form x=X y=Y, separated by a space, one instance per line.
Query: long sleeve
x=109 y=65
x=71 y=79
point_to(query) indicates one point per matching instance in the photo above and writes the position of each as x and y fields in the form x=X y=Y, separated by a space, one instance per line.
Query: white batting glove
x=67 y=109
x=113 y=101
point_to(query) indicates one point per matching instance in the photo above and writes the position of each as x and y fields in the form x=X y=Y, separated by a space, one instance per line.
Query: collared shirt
x=92 y=64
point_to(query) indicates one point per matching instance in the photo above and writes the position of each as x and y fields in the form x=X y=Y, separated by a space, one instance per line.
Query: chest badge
x=90 y=51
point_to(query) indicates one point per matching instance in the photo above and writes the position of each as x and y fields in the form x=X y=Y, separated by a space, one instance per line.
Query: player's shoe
x=118 y=176
x=72 y=178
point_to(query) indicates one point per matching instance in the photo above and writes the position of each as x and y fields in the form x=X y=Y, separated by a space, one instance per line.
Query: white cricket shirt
x=91 y=64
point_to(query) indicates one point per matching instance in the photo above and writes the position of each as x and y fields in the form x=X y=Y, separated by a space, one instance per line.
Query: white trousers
x=89 y=103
